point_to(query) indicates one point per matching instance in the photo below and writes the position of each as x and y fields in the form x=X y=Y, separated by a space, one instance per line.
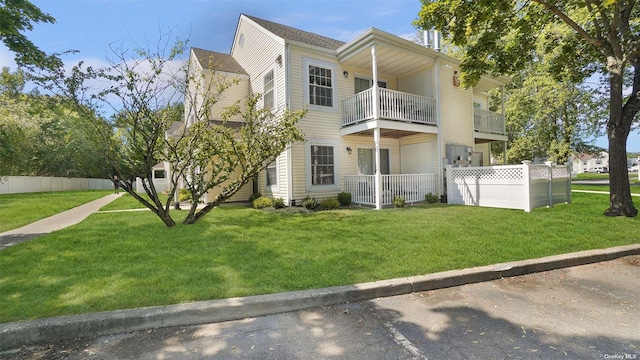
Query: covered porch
x=412 y=187
x=398 y=103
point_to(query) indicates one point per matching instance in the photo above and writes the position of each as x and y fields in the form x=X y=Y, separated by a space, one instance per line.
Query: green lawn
x=17 y=210
x=130 y=259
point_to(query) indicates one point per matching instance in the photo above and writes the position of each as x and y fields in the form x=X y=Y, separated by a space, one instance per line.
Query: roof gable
x=218 y=61
x=292 y=34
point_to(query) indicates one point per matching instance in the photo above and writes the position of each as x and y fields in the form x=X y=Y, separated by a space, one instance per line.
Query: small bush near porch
x=129 y=259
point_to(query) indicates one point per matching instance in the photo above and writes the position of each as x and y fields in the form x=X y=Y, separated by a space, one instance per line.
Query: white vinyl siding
x=258 y=56
x=456 y=117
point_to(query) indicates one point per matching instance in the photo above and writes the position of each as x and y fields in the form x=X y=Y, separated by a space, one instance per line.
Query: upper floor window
x=320 y=86
x=268 y=96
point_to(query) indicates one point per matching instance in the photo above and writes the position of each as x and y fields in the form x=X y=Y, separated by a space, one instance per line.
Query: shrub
x=252 y=197
x=278 y=203
x=431 y=198
x=262 y=202
x=329 y=204
x=184 y=195
x=344 y=198
x=310 y=203
x=398 y=201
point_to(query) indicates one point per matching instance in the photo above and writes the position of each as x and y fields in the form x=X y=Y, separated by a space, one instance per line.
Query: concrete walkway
x=53 y=223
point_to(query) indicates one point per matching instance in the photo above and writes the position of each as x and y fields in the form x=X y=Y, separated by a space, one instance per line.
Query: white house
x=385 y=115
x=591 y=163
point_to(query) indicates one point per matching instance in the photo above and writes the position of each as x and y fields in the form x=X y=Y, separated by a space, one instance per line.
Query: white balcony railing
x=412 y=187
x=488 y=122
x=393 y=105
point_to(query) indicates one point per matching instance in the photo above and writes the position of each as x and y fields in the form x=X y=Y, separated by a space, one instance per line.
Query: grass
x=130 y=259
x=17 y=210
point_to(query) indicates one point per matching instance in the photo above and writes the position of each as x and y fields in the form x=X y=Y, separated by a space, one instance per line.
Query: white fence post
x=526 y=178
x=549 y=182
x=568 y=183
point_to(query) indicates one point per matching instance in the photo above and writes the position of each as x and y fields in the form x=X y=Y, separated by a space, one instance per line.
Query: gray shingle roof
x=218 y=61
x=292 y=34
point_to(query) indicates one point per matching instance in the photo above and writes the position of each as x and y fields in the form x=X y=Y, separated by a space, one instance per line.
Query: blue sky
x=91 y=25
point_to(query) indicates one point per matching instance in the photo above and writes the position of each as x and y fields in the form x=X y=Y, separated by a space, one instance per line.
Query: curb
x=17 y=334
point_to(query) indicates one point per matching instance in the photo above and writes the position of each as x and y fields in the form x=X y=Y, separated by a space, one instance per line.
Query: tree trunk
x=618 y=128
x=166 y=218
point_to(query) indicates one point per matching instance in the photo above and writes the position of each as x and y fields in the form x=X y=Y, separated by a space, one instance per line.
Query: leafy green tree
x=546 y=118
x=500 y=37
x=223 y=149
x=43 y=135
x=17 y=17
x=150 y=126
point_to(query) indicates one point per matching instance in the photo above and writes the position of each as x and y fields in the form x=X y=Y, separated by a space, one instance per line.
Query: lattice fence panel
x=487 y=174
x=539 y=173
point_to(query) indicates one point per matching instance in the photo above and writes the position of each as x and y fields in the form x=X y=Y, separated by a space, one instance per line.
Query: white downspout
x=438 y=123
x=376 y=131
x=289 y=152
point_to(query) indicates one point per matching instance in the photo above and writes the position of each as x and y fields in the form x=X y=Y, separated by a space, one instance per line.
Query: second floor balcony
x=391 y=105
x=488 y=122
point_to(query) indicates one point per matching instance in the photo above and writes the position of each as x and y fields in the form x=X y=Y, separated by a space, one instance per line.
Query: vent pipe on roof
x=436 y=40
x=427 y=41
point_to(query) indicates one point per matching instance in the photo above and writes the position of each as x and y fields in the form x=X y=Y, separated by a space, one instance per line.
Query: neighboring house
x=385 y=115
x=591 y=163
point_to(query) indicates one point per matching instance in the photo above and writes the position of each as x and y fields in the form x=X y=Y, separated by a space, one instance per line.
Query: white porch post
x=376 y=131
x=376 y=139
x=375 y=92
x=441 y=188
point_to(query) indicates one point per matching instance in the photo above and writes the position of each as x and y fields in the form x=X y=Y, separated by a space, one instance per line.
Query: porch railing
x=412 y=187
x=393 y=105
x=488 y=122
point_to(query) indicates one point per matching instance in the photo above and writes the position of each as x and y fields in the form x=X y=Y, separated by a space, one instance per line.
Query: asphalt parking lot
x=583 y=312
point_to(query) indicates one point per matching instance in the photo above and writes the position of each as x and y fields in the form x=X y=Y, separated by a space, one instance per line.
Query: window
x=268 y=97
x=272 y=174
x=322 y=165
x=477 y=104
x=362 y=84
x=366 y=161
x=320 y=85
x=158 y=174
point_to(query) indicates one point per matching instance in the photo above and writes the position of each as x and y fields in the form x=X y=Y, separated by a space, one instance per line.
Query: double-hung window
x=272 y=174
x=322 y=165
x=268 y=96
x=320 y=86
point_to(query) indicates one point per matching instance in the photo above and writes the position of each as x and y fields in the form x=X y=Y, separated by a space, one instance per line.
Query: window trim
x=334 y=88
x=336 y=165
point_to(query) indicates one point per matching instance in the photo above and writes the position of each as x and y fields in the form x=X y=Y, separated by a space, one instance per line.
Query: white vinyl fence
x=525 y=186
x=28 y=184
